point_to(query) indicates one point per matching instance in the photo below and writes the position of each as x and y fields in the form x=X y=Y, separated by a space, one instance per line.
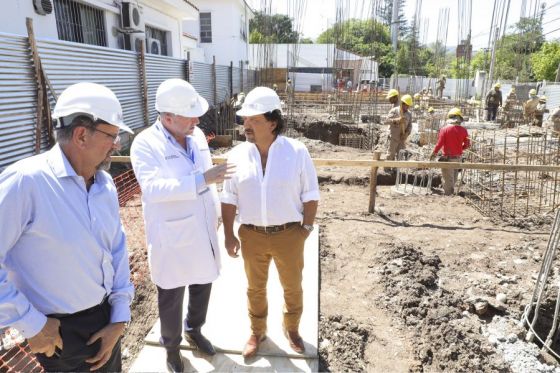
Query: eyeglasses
x=116 y=138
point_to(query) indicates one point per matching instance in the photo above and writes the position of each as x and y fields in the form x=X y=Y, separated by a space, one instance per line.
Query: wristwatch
x=308 y=227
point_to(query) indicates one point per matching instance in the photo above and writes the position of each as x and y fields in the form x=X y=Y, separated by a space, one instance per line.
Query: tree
x=305 y=41
x=386 y=15
x=364 y=38
x=275 y=29
x=546 y=61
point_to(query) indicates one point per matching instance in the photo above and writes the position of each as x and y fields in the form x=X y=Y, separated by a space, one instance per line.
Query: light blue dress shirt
x=62 y=247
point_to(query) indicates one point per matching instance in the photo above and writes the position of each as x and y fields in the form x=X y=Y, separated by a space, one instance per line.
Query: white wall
x=227 y=44
x=161 y=15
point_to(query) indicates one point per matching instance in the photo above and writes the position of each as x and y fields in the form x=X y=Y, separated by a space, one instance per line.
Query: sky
x=320 y=14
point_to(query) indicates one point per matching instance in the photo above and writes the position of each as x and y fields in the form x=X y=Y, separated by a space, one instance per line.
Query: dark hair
x=275 y=116
x=64 y=134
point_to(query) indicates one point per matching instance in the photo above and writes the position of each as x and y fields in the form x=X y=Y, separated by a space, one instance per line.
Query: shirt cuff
x=228 y=198
x=120 y=310
x=200 y=183
x=312 y=195
x=31 y=323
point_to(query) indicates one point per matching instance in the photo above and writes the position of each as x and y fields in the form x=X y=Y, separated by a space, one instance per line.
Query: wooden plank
x=40 y=91
x=321 y=162
x=373 y=184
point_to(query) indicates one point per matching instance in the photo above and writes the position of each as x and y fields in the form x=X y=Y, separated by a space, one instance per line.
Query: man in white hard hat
x=276 y=192
x=64 y=272
x=181 y=209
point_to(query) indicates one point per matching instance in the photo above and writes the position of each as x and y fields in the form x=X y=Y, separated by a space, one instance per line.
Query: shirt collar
x=168 y=135
x=60 y=165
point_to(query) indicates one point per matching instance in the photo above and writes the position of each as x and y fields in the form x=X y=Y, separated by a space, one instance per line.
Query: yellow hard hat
x=455 y=112
x=430 y=109
x=512 y=89
x=407 y=99
x=416 y=107
x=392 y=93
x=497 y=85
x=542 y=98
x=533 y=92
x=416 y=96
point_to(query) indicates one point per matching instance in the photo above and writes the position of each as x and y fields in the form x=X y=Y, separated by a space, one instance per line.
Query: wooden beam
x=373 y=183
x=144 y=81
x=320 y=162
x=40 y=91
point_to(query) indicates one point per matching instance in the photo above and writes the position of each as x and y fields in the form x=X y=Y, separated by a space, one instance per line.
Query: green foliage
x=305 y=41
x=277 y=29
x=364 y=38
x=545 y=62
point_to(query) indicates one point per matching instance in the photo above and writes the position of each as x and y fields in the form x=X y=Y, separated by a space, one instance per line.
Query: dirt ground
x=398 y=288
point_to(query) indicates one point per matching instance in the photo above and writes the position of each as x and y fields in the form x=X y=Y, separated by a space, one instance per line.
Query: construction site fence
x=131 y=75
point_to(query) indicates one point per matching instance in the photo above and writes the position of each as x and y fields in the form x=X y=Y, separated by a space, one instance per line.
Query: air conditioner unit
x=154 y=46
x=131 y=16
x=132 y=42
x=43 y=7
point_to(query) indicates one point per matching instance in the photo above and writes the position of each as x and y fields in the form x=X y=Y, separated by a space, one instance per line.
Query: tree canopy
x=273 y=29
x=546 y=61
x=364 y=38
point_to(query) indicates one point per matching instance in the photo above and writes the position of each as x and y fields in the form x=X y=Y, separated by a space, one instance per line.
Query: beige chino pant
x=286 y=249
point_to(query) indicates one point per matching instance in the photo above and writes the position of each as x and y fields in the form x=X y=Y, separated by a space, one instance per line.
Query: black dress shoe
x=175 y=362
x=195 y=338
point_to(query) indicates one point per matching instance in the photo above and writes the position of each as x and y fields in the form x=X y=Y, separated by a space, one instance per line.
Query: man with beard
x=64 y=272
x=276 y=191
x=181 y=208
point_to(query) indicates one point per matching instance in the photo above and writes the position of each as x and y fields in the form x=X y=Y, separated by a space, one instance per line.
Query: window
x=205 y=27
x=157 y=34
x=80 y=23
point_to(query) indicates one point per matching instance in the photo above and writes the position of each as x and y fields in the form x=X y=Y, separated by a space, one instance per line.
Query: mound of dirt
x=342 y=343
x=444 y=340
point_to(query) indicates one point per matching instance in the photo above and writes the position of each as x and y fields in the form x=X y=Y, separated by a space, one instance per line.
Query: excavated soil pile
x=443 y=339
x=342 y=344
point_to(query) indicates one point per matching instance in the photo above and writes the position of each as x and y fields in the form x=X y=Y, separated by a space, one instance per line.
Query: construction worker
x=511 y=99
x=65 y=277
x=441 y=86
x=454 y=139
x=539 y=112
x=493 y=101
x=181 y=209
x=275 y=87
x=553 y=121
x=399 y=120
x=530 y=105
x=393 y=97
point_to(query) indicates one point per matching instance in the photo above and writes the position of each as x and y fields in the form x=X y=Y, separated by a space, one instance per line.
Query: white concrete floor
x=227 y=324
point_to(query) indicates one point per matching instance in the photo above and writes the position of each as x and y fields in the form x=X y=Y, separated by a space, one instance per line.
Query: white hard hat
x=179 y=97
x=91 y=99
x=259 y=101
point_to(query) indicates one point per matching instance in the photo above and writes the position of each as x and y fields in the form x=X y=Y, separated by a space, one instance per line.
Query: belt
x=271 y=228
x=87 y=311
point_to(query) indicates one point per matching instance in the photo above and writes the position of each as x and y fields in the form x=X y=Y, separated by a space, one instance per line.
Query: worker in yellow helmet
x=453 y=139
x=539 y=111
x=530 y=106
x=393 y=97
x=399 y=120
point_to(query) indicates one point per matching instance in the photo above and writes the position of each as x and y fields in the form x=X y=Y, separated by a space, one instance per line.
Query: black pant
x=75 y=331
x=492 y=110
x=170 y=304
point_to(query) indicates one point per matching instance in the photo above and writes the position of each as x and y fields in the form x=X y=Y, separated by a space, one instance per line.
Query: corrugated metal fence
x=65 y=63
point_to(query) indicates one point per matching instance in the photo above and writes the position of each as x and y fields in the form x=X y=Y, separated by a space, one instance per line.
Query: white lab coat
x=180 y=223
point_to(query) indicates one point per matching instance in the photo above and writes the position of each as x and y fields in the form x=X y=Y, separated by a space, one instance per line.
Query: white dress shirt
x=63 y=248
x=277 y=197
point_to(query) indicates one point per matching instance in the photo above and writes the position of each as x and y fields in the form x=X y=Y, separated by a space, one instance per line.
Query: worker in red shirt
x=453 y=138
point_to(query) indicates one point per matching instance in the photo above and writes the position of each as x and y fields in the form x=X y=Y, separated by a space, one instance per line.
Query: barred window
x=205 y=27
x=160 y=35
x=80 y=23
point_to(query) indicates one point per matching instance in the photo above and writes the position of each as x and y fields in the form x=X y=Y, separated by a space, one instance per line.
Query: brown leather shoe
x=296 y=342
x=252 y=345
